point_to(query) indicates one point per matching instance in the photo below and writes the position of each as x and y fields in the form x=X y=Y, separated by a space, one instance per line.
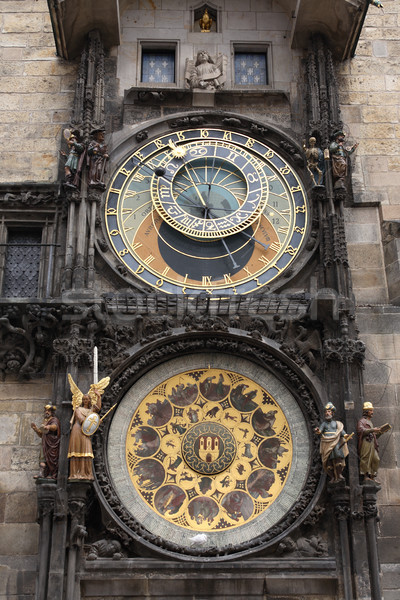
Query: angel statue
x=80 y=451
x=206 y=73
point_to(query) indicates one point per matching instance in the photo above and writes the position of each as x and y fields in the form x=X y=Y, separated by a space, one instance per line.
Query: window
x=22 y=264
x=158 y=66
x=251 y=68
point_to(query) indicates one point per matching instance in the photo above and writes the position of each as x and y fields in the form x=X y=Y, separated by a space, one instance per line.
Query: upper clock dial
x=206 y=210
x=211 y=190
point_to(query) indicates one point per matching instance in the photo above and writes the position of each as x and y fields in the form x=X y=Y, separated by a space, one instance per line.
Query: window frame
x=156 y=45
x=251 y=48
x=48 y=251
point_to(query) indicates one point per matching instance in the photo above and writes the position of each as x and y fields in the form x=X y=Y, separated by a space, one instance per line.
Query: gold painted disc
x=208 y=449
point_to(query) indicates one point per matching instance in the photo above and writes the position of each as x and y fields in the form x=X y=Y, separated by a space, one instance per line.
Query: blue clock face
x=206 y=210
x=213 y=189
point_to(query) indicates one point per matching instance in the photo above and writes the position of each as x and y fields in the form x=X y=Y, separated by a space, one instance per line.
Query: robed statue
x=206 y=72
x=84 y=422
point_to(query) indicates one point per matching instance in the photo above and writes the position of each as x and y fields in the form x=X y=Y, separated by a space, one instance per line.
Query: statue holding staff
x=80 y=452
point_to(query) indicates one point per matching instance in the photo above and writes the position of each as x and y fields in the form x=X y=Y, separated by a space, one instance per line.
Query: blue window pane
x=158 y=67
x=251 y=68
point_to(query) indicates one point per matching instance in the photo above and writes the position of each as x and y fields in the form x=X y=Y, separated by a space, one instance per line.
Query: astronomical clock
x=208 y=452
x=206 y=210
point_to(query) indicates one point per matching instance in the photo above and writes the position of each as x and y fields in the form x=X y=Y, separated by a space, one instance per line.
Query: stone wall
x=19 y=449
x=36 y=92
x=369 y=94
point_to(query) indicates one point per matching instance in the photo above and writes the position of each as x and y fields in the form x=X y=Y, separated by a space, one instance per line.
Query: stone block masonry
x=35 y=88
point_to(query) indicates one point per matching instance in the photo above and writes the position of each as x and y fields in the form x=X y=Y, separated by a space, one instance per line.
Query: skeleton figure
x=315 y=161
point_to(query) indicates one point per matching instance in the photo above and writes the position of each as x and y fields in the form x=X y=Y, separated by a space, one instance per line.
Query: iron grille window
x=22 y=263
x=158 y=66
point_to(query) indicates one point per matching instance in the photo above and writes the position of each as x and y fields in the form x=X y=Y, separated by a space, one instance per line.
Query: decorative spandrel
x=209 y=449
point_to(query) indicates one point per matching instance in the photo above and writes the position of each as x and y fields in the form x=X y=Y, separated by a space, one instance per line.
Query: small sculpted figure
x=98 y=157
x=73 y=166
x=333 y=444
x=80 y=451
x=340 y=155
x=205 y=22
x=368 y=448
x=105 y=549
x=206 y=73
x=315 y=161
x=49 y=431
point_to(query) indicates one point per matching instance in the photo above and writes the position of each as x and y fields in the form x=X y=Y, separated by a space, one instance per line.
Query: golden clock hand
x=194 y=185
x=160 y=172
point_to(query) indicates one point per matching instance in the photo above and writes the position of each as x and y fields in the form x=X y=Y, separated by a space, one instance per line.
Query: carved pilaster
x=46 y=492
x=322 y=93
x=46 y=500
x=370 y=490
x=78 y=497
x=78 y=493
x=339 y=494
x=88 y=110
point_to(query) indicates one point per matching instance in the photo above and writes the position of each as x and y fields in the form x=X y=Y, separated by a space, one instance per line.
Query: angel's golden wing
x=76 y=393
x=98 y=388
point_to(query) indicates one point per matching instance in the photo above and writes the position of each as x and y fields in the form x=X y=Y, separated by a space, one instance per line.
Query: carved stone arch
x=144 y=363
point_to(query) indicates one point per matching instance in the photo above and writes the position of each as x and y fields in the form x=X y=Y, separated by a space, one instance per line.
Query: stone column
x=46 y=494
x=78 y=492
x=369 y=491
x=340 y=498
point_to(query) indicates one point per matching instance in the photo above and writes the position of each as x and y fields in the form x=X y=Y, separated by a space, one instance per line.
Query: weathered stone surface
x=18 y=538
x=20 y=508
x=25 y=23
x=25 y=458
x=391 y=577
x=14 y=481
x=9 y=429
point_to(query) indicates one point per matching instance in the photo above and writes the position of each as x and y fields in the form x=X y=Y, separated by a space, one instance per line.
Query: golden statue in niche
x=205 y=22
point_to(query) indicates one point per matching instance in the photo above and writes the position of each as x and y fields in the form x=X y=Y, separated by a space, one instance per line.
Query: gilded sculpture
x=80 y=452
x=205 y=22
